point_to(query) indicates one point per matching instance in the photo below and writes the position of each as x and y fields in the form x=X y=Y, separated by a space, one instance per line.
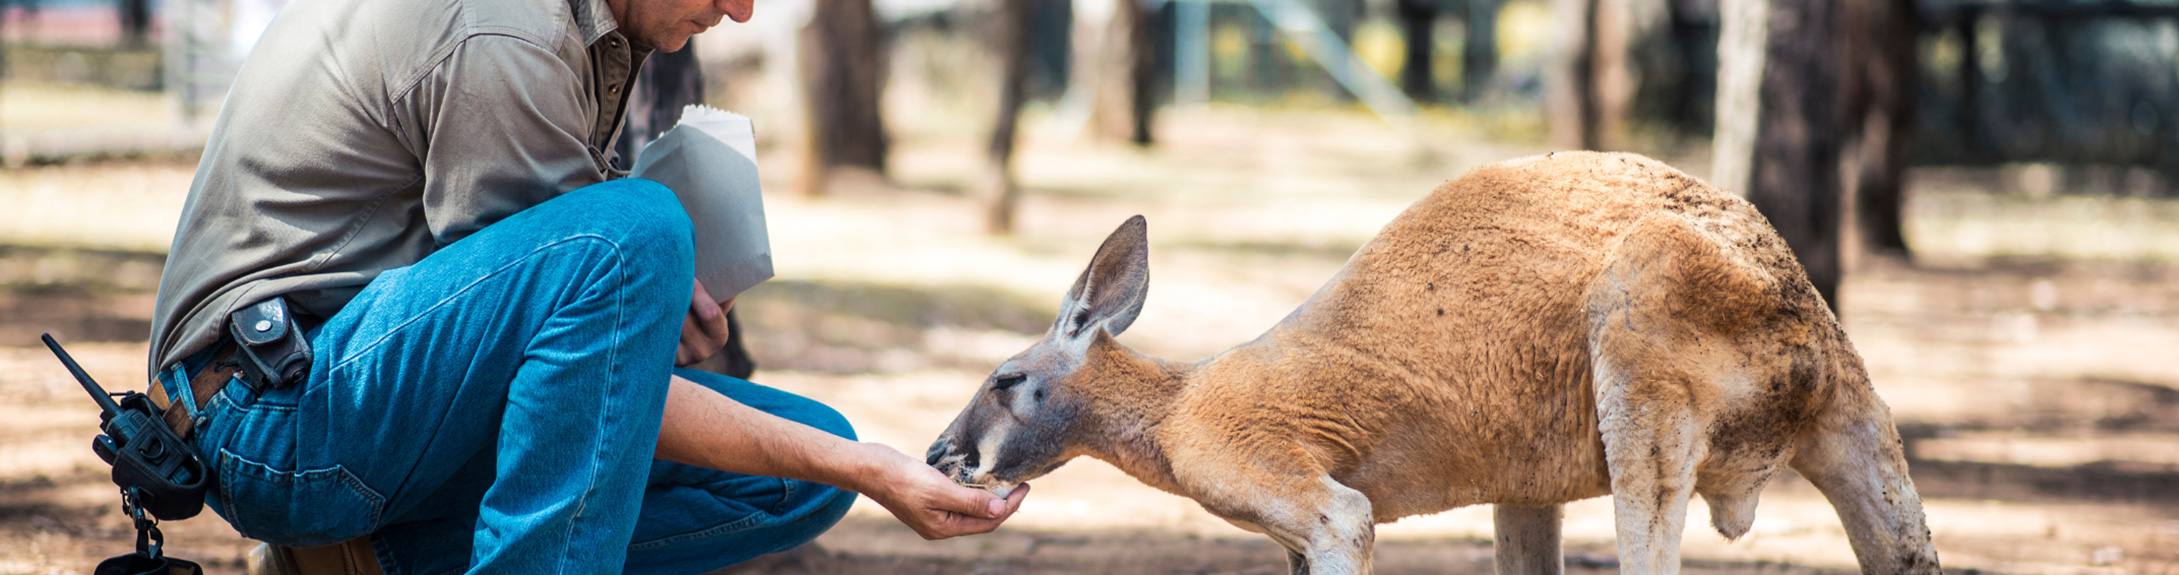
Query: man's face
x=665 y=25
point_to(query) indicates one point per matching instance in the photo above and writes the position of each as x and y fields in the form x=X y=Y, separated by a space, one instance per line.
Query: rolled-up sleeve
x=500 y=125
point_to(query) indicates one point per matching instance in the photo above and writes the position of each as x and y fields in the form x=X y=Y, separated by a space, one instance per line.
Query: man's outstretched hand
x=935 y=507
x=704 y=331
x=706 y=429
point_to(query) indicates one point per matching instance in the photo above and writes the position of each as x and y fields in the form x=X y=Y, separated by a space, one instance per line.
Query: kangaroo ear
x=1111 y=291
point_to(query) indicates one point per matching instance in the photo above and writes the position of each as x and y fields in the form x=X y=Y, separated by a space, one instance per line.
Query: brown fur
x=1541 y=330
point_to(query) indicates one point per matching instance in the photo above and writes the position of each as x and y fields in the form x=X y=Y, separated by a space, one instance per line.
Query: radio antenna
x=97 y=393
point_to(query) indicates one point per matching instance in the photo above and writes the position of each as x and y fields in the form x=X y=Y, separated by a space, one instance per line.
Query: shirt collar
x=593 y=19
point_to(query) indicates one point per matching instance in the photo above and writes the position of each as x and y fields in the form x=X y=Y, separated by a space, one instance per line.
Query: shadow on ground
x=78 y=295
x=881 y=547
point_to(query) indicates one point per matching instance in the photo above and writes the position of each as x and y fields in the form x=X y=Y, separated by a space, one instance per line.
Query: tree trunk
x=1479 y=53
x=1122 y=61
x=997 y=191
x=1796 y=171
x=1614 y=76
x=1570 y=95
x=668 y=82
x=1879 y=96
x=1743 y=30
x=1418 y=19
x=136 y=23
x=841 y=72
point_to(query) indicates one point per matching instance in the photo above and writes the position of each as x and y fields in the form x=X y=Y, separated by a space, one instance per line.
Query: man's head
x=666 y=25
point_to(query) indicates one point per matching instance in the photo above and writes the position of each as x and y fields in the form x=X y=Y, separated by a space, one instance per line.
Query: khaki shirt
x=363 y=135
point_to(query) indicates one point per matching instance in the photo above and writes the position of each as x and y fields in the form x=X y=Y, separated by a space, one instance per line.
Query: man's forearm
x=706 y=429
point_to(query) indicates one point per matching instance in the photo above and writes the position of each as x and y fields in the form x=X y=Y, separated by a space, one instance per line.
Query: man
x=492 y=324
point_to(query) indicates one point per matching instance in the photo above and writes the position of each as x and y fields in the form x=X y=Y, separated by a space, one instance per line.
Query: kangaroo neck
x=1138 y=393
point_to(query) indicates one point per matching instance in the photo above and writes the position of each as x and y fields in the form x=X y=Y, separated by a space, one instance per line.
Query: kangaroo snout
x=957 y=464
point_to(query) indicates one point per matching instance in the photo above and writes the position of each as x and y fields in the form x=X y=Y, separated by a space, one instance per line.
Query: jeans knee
x=832 y=504
x=644 y=213
x=825 y=418
x=777 y=402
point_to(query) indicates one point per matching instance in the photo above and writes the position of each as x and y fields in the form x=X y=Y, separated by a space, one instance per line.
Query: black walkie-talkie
x=160 y=477
x=146 y=455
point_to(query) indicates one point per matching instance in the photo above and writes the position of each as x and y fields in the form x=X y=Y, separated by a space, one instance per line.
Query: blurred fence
x=2076 y=82
x=2066 y=81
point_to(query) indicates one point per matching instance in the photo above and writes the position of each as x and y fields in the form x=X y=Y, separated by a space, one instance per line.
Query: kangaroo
x=1538 y=331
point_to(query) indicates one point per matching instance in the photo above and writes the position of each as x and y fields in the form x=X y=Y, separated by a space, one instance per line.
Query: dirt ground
x=2027 y=351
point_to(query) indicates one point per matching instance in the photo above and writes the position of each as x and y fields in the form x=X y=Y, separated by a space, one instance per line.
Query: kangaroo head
x=1032 y=414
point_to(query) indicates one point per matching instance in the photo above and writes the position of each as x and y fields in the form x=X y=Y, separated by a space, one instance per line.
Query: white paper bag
x=710 y=161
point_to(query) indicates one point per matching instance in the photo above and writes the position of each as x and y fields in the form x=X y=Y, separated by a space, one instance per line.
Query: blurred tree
x=668 y=82
x=1594 y=74
x=1792 y=176
x=1570 y=106
x=1879 y=90
x=841 y=73
x=1612 y=75
x=1479 y=48
x=1116 y=59
x=1478 y=51
x=136 y=23
x=996 y=189
x=1418 y=22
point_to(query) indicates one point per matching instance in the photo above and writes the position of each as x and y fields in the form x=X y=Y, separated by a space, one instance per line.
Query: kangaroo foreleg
x=1856 y=461
x=1326 y=527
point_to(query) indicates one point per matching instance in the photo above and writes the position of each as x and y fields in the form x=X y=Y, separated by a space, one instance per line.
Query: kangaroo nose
x=937 y=452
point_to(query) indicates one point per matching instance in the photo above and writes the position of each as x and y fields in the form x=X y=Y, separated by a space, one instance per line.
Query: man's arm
x=706 y=429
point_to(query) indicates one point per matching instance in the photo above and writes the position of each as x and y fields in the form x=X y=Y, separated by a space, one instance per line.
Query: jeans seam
x=612 y=362
x=786 y=501
x=355 y=354
x=736 y=525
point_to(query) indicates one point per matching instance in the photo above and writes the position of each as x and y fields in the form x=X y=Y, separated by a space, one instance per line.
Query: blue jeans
x=495 y=408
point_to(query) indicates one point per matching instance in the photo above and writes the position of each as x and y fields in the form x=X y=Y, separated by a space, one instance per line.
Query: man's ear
x=1110 y=292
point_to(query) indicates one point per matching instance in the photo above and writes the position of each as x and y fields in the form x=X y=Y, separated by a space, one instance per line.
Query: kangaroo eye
x=1005 y=381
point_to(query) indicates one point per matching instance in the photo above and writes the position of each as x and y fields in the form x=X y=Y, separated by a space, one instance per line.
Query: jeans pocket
x=304 y=508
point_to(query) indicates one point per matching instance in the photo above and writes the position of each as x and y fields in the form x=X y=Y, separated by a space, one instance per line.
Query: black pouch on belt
x=275 y=353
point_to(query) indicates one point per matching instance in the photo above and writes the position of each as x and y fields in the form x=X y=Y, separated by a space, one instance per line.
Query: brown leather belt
x=214 y=376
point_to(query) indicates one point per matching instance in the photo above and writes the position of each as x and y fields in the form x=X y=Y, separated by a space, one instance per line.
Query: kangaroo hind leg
x=1528 y=540
x=1651 y=447
x=1667 y=317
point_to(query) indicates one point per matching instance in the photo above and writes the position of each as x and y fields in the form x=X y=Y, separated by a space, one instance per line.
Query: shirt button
x=613 y=90
x=614 y=43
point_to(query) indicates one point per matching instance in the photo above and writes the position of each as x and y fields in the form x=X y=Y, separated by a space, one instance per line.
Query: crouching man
x=414 y=199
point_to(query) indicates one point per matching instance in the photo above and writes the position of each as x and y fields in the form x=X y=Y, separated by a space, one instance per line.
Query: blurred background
x=1982 y=188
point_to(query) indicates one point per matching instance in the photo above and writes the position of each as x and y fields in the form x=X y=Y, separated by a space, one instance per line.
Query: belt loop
x=189 y=399
x=178 y=379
